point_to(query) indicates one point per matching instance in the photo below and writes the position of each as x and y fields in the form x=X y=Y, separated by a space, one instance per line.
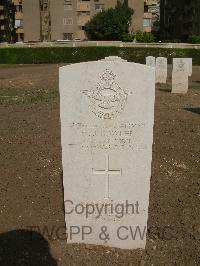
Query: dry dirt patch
x=31 y=174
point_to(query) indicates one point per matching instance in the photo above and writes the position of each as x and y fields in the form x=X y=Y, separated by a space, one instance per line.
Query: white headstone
x=190 y=66
x=182 y=64
x=113 y=58
x=107 y=116
x=151 y=61
x=161 y=70
x=179 y=82
x=181 y=70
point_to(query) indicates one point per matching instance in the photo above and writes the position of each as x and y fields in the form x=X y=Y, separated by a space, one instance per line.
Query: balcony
x=147 y=15
x=148 y=2
x=18 y=2
x=18 y=15
x=83 y=6
x=19 y=30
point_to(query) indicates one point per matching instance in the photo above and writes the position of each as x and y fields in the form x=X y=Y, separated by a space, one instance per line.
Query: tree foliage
x=111 y=24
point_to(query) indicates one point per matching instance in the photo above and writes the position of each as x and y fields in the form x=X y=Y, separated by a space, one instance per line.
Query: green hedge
x=194 y=39
x=51 y=55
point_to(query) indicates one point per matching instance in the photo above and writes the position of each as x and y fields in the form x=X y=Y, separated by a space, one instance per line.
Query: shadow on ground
x=24 y=248
x=195 y=110
x=165 y=90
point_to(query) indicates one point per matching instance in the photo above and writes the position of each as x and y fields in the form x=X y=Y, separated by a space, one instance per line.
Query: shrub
x=144 y=37
x=194 y=39
x=127 y=38
x=53 y=55
x=2 y=38
x=172 y=41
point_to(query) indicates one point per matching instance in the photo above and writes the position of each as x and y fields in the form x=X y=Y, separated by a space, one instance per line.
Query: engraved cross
x=107 y=172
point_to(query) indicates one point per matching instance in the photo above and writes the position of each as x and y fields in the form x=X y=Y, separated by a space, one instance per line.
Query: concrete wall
x=31 y=10
x=137 y=21
x=58 y=15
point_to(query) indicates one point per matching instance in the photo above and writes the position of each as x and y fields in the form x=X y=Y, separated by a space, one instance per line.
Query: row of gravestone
x=182 y=69
x=107 y=117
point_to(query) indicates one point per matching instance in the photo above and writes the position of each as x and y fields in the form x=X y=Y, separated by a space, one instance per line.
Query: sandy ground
x=31 y=193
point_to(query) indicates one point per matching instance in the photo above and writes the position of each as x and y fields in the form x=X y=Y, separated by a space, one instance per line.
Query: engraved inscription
x=116 y=137
x=107 y=99
x=160 y=63
x=180 y=65
x=107 y=172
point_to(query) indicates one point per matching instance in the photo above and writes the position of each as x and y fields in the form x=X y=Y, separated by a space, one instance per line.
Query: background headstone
x=161 y=70
x=113 y=58
x=190 y=66
x=183 y=64
x=107 y=116
x=151 y=61
x=181 y=70
x=179 y=82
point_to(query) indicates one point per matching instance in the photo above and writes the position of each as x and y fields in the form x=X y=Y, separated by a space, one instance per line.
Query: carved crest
x=107 y=99
x=180 y=65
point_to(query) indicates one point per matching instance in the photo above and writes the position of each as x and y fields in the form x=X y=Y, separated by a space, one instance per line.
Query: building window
x=147 y=22
x=21 y=37
x=45 y=7
x=67 y=21
x=83 y=13
x=67 y=36
x=99 y=7
x=19 y=8
x=18 y=23
x=67 y=5
x=146 y=9
x=81 y=27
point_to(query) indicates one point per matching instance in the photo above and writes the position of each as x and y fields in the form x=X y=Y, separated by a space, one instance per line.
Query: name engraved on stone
x=119 y=137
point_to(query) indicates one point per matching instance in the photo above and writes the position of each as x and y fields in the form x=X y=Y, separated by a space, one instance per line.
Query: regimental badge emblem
x=107 y=99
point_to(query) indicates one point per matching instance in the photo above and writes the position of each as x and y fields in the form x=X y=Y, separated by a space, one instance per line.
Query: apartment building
x=6 y=21
x=151 y=15
x=180 y=18
x=19 y=21
x=65 y=19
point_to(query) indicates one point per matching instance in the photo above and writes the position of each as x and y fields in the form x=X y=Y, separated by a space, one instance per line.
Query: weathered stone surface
x=179 y=82
x=183 y=64
x=161 y=70
x=107 y=116
x=114 y=58
x=151 y=61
